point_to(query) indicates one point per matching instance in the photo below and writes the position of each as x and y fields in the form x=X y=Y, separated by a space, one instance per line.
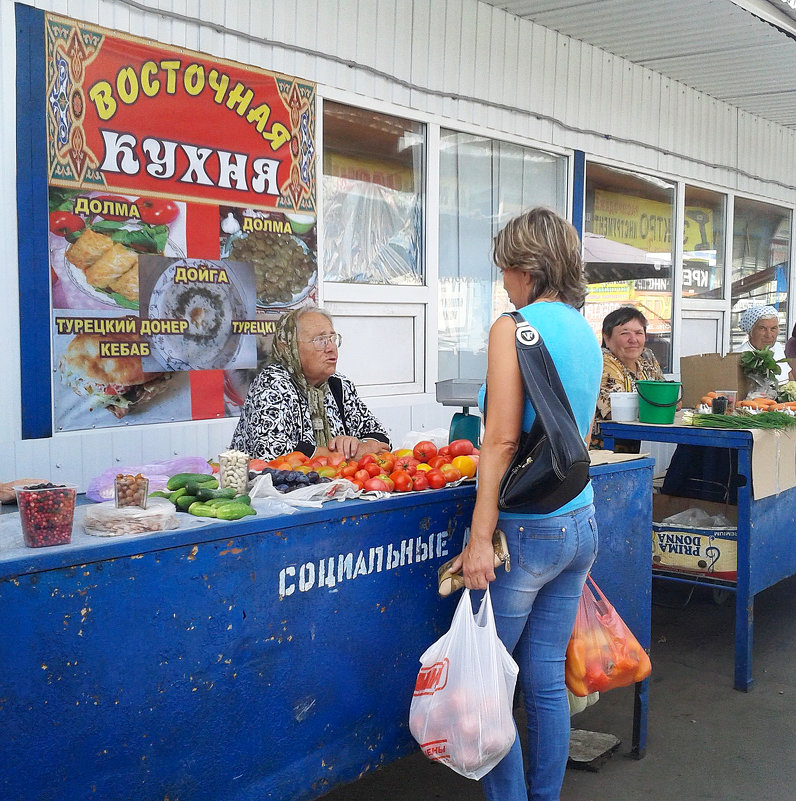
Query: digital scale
x=462 y=392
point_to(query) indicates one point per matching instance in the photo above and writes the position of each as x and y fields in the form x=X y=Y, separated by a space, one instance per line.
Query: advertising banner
x=182 y=209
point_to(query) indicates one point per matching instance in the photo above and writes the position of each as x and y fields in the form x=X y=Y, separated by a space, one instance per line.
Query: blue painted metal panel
x=32 y=225
x=578 y=190
x=623 y=568
x=271 y=660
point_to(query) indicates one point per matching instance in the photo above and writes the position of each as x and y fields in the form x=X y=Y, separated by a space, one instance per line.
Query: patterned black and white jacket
x=276 y=415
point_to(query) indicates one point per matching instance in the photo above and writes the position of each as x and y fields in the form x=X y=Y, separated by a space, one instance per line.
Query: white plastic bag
x=439 y=436
x=312 y=495
x=461 y=712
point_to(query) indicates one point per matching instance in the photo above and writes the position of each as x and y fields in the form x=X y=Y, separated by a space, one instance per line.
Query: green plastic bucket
x=657 y=401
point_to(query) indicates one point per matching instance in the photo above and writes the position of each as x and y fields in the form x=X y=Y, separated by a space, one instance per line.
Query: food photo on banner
x=171 y=255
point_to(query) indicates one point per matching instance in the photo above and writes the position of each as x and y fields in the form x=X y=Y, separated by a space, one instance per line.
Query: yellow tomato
x=465 y=465
x=424 y=467
x=403 y=452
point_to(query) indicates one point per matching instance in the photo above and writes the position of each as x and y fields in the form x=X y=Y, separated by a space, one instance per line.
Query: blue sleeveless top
x=576 y=354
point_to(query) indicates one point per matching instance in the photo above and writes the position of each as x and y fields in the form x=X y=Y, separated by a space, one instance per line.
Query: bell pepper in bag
x=602 y=651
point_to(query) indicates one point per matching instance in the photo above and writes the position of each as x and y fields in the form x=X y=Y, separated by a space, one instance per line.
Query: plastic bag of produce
x=602 y=653
x=158 y=473
x=311 y=495
x=461 y=711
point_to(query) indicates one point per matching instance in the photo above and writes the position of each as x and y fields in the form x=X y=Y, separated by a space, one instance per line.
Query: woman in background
x=626 y=359
x=761 y=323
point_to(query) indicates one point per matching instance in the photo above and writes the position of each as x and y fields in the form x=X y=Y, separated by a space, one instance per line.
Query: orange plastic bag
x=602 y=651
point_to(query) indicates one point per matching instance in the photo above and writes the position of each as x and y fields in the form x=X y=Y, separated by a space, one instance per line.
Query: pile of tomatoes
x=420 y=468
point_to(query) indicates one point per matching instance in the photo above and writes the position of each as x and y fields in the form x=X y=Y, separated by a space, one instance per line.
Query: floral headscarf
x=284 y=351
x=753 y=314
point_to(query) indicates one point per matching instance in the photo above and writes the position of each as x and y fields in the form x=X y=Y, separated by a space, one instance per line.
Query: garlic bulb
x=229 y=225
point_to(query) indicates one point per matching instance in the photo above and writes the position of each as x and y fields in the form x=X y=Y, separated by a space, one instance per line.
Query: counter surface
x=267 y=658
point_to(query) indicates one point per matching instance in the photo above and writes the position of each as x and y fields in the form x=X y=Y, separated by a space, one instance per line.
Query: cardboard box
x=710 y=372
x=710 y=552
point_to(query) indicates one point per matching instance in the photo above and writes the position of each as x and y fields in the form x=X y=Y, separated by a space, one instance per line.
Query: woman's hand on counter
x=353 y=448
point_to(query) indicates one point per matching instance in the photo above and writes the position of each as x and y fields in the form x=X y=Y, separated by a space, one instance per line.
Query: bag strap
x=544 y=389
x=536 y=362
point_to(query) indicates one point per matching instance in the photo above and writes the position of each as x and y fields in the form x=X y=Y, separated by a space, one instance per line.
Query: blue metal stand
x=766 y=552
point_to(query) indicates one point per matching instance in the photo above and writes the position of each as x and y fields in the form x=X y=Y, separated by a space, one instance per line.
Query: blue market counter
x=766 y=525
x=269 y=658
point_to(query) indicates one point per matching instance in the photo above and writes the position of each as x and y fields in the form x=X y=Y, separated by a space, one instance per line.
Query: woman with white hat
x=761 y=323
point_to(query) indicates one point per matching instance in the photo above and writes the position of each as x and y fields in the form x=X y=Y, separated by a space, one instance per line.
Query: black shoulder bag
x=551 y=466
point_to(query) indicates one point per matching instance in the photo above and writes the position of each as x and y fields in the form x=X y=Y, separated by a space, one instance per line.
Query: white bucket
x=624 y=406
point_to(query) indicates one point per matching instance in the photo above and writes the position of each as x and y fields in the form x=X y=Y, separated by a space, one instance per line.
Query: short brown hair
x=545 y=245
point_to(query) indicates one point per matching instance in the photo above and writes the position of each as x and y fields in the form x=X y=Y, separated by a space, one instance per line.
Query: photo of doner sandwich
x=113 y=382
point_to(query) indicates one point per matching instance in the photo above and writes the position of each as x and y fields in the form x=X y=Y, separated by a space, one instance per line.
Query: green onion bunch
x=767 y=420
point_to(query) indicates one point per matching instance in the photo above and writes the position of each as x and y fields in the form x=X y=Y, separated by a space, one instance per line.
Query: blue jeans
x=535 y=606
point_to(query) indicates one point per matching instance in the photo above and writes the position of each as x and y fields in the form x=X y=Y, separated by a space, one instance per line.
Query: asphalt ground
x=705 y=740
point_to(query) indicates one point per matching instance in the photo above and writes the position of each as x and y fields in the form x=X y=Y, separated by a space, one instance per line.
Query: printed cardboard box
x=710 y=372
x=688 y=549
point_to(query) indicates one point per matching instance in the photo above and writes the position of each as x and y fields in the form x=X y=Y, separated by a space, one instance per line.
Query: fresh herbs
x=769 y=420
x=760 y=362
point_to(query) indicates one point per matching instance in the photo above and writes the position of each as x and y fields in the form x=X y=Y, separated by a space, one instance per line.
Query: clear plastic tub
x=46 y=512
x=129 y=490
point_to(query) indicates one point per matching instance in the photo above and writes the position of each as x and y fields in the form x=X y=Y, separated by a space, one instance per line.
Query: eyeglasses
x=320 y=343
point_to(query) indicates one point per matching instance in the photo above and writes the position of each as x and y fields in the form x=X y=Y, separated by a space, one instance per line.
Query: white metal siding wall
x=453 y=62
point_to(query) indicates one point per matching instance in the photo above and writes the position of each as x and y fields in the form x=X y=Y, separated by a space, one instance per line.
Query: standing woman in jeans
x=535 y=604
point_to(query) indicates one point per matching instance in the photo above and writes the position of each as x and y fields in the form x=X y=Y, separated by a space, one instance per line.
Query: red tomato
x=386 y=461
x=408 y=464
x=376 y=484
x=424 y=450
x=387 y=480
x=436 y=479
x=444 y=451
x=420 y=480
x=460 y=447
x=367 y=459
x=349 y=469
x=359 y=485
x=372 y=468
x=64 y=223
x=335 y=459
x=113 y=200
x=362 y=475
x=402 y=480
x=438 y=461
x=257 y=464
x=157 y=211
x=451 y=473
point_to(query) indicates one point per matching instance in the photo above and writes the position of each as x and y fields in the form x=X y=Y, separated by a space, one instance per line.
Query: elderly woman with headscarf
x=761 y=323
x=298 y=401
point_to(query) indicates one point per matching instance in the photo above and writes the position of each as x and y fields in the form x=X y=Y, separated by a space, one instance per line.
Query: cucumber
x=193 y=487
x=200 y=509
x=184 y=501
x=215 y=502
x=159 y=494
x=234 y=511
x=207 y=494
x=244 y=499
x=179 y=480
x=177 y=494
